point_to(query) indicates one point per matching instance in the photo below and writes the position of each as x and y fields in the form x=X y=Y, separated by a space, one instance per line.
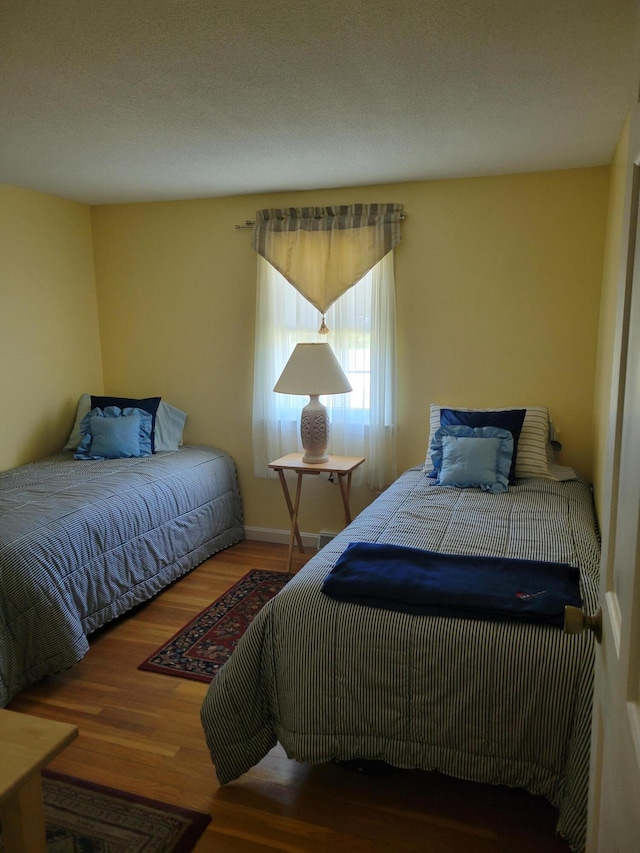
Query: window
x=362 y=335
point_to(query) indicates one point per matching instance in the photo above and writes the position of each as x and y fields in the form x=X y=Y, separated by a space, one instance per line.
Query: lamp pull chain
x=324 y=329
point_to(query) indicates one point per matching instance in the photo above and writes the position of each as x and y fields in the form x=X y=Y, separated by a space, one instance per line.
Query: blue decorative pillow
x=509 y=419
x=148 y=404
x=114 y=433
x=468 y=457
x=166 y=434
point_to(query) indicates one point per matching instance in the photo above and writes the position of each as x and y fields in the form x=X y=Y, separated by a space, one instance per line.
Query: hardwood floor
x=140 y=732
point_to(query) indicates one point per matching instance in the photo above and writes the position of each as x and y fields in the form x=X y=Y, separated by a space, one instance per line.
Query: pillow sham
x=83 y=408
x=115 y=438
x=531 y=460
x=473 y=457
x=114 y=433
x=148 y=404
x=170 y=423
x=510 y=419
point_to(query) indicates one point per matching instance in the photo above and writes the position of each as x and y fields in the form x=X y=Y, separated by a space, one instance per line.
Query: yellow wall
x=499 y=297
x=49 y=340
x=604 y=409
x=498 y=288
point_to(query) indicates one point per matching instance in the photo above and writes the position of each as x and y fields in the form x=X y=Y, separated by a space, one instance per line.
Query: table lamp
x=313 y=369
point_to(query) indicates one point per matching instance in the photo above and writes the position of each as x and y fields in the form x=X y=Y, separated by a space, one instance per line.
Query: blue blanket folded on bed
x=426 y=582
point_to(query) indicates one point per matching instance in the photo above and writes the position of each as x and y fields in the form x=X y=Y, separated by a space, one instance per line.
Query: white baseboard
x=270 y=534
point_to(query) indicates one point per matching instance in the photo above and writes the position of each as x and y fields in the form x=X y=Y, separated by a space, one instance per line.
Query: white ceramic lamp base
x=314 y=431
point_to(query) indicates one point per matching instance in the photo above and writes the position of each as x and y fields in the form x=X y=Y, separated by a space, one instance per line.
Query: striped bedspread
x=498 y=702
x=81 y=542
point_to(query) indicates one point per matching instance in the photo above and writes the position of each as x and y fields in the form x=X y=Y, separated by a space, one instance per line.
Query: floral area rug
x=200 y=649
x=82 y=817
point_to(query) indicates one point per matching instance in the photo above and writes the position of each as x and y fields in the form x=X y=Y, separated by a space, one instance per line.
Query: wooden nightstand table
x=342 y=466
x=27 y=744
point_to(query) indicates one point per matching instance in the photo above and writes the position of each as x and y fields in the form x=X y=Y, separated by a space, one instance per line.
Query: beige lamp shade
x=313 y=369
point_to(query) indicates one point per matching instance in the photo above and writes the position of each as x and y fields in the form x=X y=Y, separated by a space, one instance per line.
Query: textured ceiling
x=133 y=100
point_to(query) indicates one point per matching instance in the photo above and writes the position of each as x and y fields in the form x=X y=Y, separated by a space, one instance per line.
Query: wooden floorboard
x=141 y=732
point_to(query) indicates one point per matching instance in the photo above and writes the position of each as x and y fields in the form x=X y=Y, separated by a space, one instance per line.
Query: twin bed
x=492 y=698
x=83 y=540
x=497 y=700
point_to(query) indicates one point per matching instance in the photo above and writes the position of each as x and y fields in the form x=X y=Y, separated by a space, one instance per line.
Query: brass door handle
x=576 y=621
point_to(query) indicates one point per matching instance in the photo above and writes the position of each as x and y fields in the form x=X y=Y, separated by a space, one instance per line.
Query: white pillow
x=84 y=407
x=170 y=423
x=531 y=460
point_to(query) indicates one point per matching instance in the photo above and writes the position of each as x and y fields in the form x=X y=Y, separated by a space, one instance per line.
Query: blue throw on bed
x=427 y=582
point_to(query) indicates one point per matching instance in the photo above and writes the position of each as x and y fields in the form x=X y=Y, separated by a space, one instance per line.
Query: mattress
x=498 y=702
x=81 y=542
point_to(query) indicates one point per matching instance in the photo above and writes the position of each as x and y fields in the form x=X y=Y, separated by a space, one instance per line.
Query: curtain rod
x=249 y=223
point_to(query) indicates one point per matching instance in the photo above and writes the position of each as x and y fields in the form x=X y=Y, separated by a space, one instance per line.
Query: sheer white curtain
x=362 y=335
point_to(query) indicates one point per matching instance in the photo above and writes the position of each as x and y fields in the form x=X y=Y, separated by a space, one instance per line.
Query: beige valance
x=323 y=251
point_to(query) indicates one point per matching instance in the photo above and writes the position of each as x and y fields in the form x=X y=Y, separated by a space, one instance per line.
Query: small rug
x=82 y=817
x=200 y=649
